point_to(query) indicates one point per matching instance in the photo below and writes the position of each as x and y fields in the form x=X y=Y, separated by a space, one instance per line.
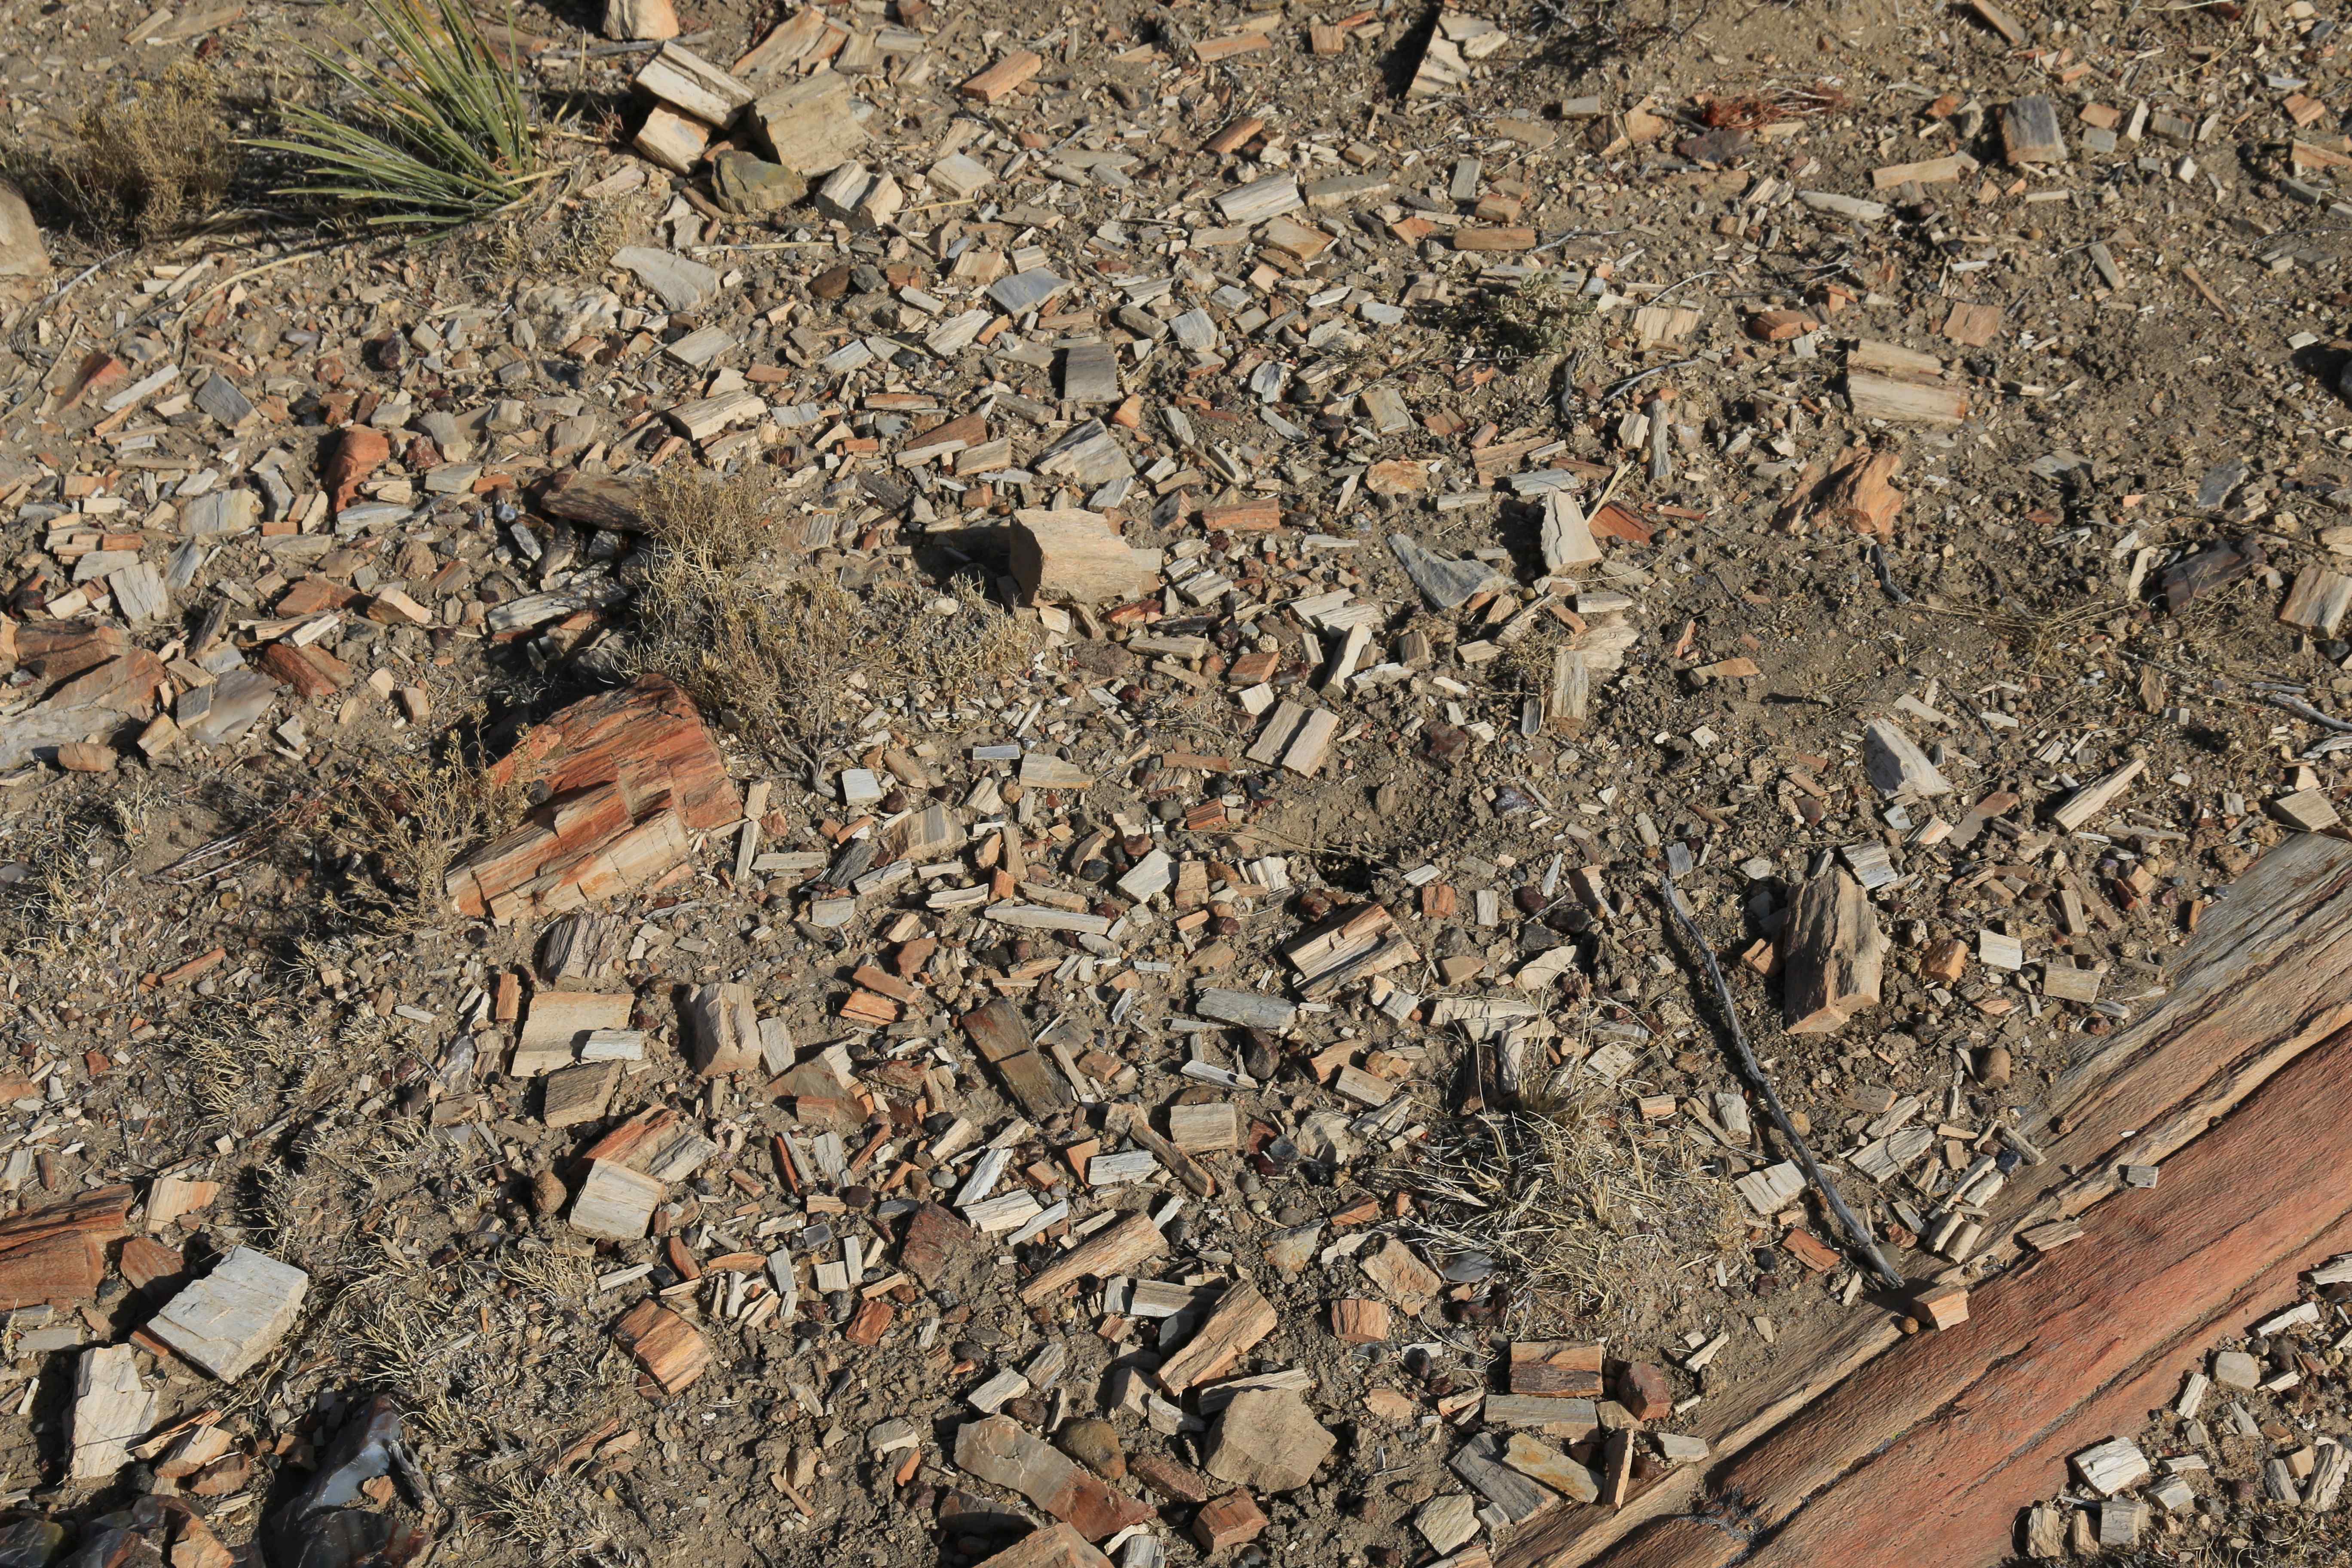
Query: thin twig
x=1617 y=389
x=2305 y=711
x=1677 y=284
x=1886 y=575
x=201 y=295
x=62 y=290
x=1856 y=1232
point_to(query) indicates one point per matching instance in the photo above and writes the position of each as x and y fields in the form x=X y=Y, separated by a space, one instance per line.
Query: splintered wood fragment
x=1245 y=1009
x=1209 y=51
x=1075 y=556
x=2051 y=1237
x=1281 y=727
x=1832 y=954
x=1941 y=1307
x=1480 y=1462
x=1056 y=1546
x=1005 y=77
x=1896 y=764
x=559 y=1021
x=2011 y=30
x=1235 y=135
x=996 y=1029
x=669 y=1349
x=1556 y=1368
x=1205 y=1129
x=1904 y=402
x=2308 y=809
x=1403 y=1276
x=671 y=140
x=1974 y=326
x=683 y=79
x=113 y=1408
x=1355 y=1322
x=233 y=1315
x=1570 y=1419
x=571 y=1096
x=57 y=1253
x=2317 y=601
x=1121 y=1248
x=1567 y=534
x=2114 y=1466
x=1137 y=1124
x=1930 y=171
x=1548 y=1467
x=1241 y=1318
x=2030 y=133
x=722 y=1029
x=1307 y=748
x=1231 y=1520
x=614 y=1203
x=706 y=417
x=2328 y=1478
x=1568 y=699
x=998 y=1450
x=1860 y=493
x=2083 y=806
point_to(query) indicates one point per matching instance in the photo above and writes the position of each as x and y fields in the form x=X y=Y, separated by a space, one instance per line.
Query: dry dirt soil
x=337 y=1072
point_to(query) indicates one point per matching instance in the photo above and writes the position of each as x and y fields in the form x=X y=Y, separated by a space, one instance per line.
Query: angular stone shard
x=999 y=1450
x=1268 y=1441
x=1446 y=583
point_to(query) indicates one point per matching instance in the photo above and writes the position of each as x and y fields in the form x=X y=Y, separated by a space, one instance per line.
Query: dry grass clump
x=1526 y=665
x=140 y=171
x=1542 y=316
x=406 y=819
x=1565 y=1201
x=236 y=1050
x=56 y=875
x=568 y=238
x=786 y=654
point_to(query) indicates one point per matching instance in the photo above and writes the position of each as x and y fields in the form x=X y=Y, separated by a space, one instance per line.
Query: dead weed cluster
x=1542 y=316
x=231 y=1046
x=1560 y=1198
x=783 y=653
x=142 y=171
x=2271 y=1535
x=404 y=819
x=569 y=237
x=55 y=876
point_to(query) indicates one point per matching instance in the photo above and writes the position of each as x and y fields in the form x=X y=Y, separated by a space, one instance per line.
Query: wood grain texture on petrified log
x=57 y=1253
x=2267 y=976
x=1832 y=955
x=647 y=737
x=1926 y=1454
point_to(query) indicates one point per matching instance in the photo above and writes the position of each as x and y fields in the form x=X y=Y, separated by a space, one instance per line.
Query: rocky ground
x=985 y=774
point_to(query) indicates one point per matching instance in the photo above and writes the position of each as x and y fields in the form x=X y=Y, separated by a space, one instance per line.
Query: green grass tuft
x=436 y=134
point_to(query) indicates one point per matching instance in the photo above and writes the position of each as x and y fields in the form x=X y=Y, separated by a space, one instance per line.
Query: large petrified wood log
x=2267 y=981
x=628 y=775
x=648 y=738
x=1926 y=1454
